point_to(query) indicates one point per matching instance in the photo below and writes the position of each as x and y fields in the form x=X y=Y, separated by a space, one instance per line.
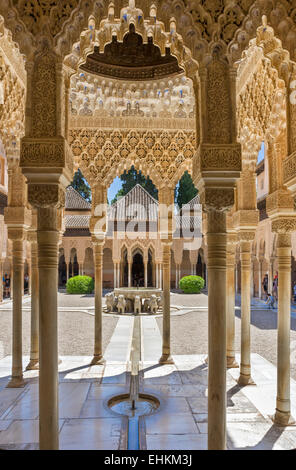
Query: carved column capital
x=46 y=195
x=217 y=199
x=284 y=225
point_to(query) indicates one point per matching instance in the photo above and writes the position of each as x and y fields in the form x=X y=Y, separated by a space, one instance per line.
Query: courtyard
x=86 y=421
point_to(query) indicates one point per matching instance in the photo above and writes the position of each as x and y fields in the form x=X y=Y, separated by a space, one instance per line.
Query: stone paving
x=181 y=421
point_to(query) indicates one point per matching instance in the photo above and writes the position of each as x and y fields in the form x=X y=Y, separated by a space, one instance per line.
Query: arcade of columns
x=238 y=104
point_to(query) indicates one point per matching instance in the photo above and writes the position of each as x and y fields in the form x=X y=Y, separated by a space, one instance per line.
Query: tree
x=81 y=185
x=185 y=190
x=130 y=179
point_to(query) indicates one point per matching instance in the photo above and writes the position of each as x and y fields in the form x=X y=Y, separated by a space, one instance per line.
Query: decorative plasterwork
x=100 y=33
x=131 y=59
x=171 y=98
x=103 y=154
x=12 y=104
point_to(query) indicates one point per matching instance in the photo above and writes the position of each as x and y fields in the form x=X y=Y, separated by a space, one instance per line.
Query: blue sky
x=261 y=153
x=114 y=188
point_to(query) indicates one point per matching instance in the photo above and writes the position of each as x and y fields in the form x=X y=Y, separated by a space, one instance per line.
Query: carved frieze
x=220 y=157
x=278 y=201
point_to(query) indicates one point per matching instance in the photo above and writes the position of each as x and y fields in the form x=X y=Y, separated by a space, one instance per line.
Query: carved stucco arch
x=261 y=98
x=102 y=158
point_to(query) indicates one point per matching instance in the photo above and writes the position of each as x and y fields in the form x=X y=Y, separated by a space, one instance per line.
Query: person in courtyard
x=265 y=286
x=294 y=291
x=270 y=301
x=275 y=286
x=7 y=286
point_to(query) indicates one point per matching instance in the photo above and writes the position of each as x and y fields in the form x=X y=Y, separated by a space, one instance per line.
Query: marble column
x=129 y=273
x=270 y=277
x=118 y=274
x=145 y=273
x=11 y=280
x=156 y=274
x=1 y=278
x=177 y=283
x=115 y=275
x=245 y=364
x=252 y=279
x=216 y=240
x=160 y=276
x=282 y=415
x=17 y=380
x=260 y=280
x=166 y=325
x=48 y=239
x=98 y=262
x=34 y=351
x=230 y=301
x=236 y=278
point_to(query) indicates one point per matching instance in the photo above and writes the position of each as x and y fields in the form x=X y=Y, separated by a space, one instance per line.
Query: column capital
x=16 y=233
x=216 y=199
x=284 y=225
x=246 y=236
x=49 y=195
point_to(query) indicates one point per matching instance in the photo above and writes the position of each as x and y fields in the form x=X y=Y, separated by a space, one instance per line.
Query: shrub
x=192 y=284
x=80 y=285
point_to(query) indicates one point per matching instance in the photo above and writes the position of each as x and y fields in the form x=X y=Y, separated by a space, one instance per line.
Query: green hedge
x=80 y=285
x=192 y=284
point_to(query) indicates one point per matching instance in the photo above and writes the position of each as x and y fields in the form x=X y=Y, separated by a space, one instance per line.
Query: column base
x=244 y=380
x=231 y=363
x=166 y=359
x=98 y=361
x=33 y=365
x=16 y=382
x=283 y=419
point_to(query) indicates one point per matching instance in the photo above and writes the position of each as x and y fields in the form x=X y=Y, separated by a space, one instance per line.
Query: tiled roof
x=140 y=205
x=138 y=202
x=77 y=221
x=74 y=200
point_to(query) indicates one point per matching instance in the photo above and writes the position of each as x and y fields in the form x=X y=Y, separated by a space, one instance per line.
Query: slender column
x=129 y=273
x=252 y=280
x=270 y=277
x=230 y=300
x=156 y=275
x=115 y=275
x=166 y=326
x=145 y=273
x=98 y=261
x=1 y=278
x=236 y=279
x=160 y=276
x=17 y=380
x=282 y=415
x=260 y=280
x=48 y=239
x=176 y=276
x=216 y=239
x=34 y=354
x=11 y=279
x=67 y=272
x=245 y=365
x=118 y=274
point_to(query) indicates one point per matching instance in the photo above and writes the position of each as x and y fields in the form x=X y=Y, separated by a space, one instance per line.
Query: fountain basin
x=145 y=405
